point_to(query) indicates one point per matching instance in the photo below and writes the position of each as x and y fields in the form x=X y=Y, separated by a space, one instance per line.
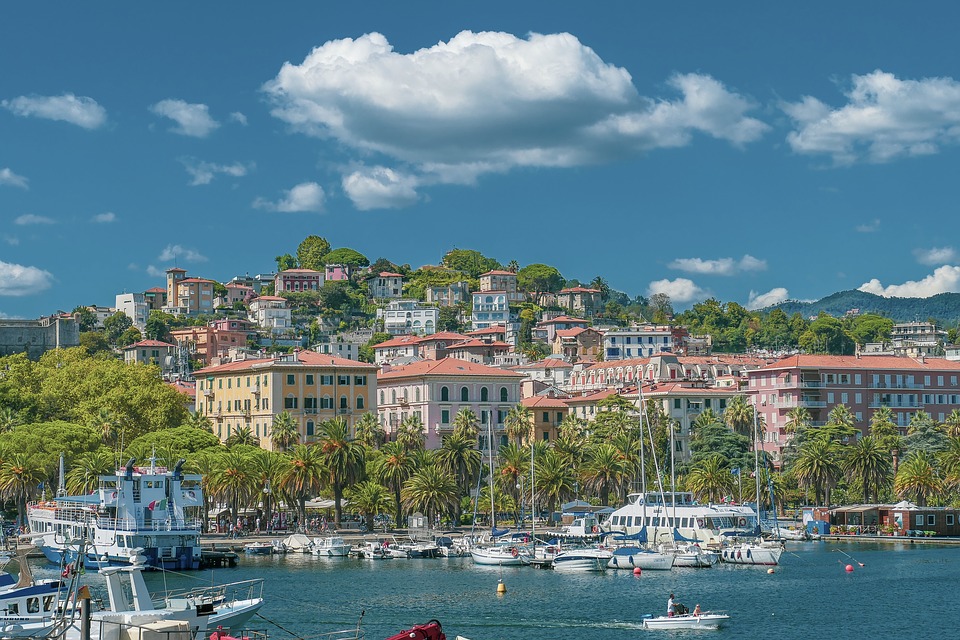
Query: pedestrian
x=670 y=606
x=258 y=525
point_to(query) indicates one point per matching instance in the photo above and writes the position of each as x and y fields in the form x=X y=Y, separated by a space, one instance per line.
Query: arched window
x=381 y=396
x=343 y=402
x=444 y=394
x=503 y=394
x=464 y=395
x=359 y=402
x=393 y=396
x=484 y=394
x=416 y=394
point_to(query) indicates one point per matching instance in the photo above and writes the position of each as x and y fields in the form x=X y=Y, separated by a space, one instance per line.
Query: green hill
x=944 y=307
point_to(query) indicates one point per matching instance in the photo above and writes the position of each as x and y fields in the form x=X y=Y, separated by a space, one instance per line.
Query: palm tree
x=798 y=420
x=706 y=418
x=710 y=478
x=571 y=427
x=243 y=436
x=8 y=419
x=86 y=469
x=868 y=461
x=918 y=478
x=235 y=479
x=739 y=416
x=198 y=420
x=285 y=432
x=343 y=458
x=410 y=432
x=518 y=424
x=268 y=468
x=513 y=462
x=555 y=479
x=206 y=463
x=604 y=471
x=459 y=456
x=392 y=469
x=370 y=432
x=952 y=424
x=884 y=429
x=949 y=460
x=369 y=498
x=840 y=424
x=818 y=467
x=19 y=478
x=431 y=491
x=466 y=423
x=304 y=475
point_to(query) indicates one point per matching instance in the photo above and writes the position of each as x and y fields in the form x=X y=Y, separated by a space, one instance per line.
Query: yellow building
x=312 y=387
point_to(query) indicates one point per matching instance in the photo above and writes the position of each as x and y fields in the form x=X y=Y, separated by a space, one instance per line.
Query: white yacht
x=665 y=517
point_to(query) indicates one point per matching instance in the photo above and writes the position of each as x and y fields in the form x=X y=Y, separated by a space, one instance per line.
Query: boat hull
x=637 y=558
x=752 y=555
x=706 y=621
x=573 y=561
x=496 y=557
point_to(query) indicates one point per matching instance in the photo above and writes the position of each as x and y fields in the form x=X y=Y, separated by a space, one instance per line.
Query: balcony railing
x=310 y=410
x=812 y=404
x=896 y=385
x=897 y=405
x=208 y=393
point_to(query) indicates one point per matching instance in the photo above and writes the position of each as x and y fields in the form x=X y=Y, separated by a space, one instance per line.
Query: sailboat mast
x=533 y=506
x=673 y=476
x=493 y=510
x=643 y=469
x=756 y=461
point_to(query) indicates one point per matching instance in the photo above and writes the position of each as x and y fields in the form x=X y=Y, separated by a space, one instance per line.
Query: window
x=310 y=429
x=931 y=520
x=546 y=416
x=381 y=396
x=445 y=416
x=359 y=402
x=309 y=403
x=949 y=519
x=326 y=402
x=33 y=605
x=546 y=436
x=464 y=394
x=310 y=379
x=919 y=520
x=326 y=379
x=559 y=417
x=290 y=403
x=503 y=394
x=360 y=381
x=416 y=393
x=444 y=394
x=344 y=380
x=393 y=396
x=343 y=402
x=677 y=403
x=291 y=379
x=484 y=394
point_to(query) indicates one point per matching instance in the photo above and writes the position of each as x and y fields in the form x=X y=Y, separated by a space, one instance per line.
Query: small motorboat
x=706 y=620
x=259 y=548
x=432 y=630
x=331 y=547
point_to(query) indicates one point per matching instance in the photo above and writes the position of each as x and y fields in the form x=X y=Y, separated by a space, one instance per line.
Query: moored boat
x=588 y=559
x=330 y=547
x=259 y=548
x=500 y=555
x=764 y=553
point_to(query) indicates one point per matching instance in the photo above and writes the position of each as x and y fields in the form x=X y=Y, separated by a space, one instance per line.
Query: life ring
x=514 y=552
x=596 y=529
x=700 y=523
x=742 y=522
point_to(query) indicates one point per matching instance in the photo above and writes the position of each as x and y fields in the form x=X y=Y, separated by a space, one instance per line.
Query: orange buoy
x=849 y=568
x=637 y=571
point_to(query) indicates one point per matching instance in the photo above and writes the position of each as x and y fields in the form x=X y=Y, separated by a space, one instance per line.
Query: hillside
x=944 y=307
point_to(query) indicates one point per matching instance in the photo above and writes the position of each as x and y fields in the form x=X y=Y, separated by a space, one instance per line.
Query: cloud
x=11 y=240
x=155 y=272
x=719 y=267
x=175 y=251
x=29 y=218
x=491 y=102
x=380 y=188
x=18 y=280
x=239 y=118
x=935 y=256
x=11 y=179
x=884 y=118
x=869 y=227
x=192 y=119
x=306 y=196
x=943 y=280
x=768 y=299
x=104 y=218
x=205 y=172
x=81 y=111
x=680 y=290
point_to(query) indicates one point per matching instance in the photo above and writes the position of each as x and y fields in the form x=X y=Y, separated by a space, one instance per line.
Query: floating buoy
x=637 y=571
x=849 y=568
x=770 y=571
x=501 y=588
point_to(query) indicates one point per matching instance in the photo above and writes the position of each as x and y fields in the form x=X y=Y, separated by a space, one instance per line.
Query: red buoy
x=849 y=568
x=637 y=571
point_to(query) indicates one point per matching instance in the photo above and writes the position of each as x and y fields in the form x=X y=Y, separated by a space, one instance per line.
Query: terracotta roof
x=679 y=388
x=156 y=290
x=189 y=388
x=863 y=362
x=579 y=290
x=149 y=343
x=565 y=319
x=498 y=272
x=442 y=335
x=571 y=333
x=497 y=328
x=319 y=273
x=475 y=342
x=177 y=269
x=446 y=367
x=547 y=363
x=194 y=280
x=310 y=358
x=274 y=298
x=591 y=398
x=387 y=274
x=544 y=402
x=399 y=341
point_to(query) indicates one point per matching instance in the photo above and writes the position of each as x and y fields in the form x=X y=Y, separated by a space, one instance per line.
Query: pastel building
x=386 y=285
x=580 y=300
x=214 y=340
x=637 y=342
x=311 y=387
x=135 y=307
x=271 y=313
x=297 y=280
x=401 y=317
x=505 y=281
x=448 y=295
x=161 y=354
x=547 y=411
x=336 y=272
x=435 y=390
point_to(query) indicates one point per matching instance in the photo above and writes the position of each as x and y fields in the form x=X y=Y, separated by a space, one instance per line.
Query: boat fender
x=748 y=553
x=739 y=555
x=630 y=560
x=514 y=552
x=616 y=563
x=596 y=529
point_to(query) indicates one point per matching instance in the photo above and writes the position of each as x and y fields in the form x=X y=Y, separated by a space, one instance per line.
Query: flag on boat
x=735 y=471
x=157 y=504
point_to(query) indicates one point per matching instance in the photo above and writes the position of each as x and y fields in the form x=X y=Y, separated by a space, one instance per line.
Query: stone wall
x=34 y=337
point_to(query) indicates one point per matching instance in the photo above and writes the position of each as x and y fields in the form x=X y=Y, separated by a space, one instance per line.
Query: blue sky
x=748 y=151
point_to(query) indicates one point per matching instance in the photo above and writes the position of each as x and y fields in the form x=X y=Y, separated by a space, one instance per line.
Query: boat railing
x=231 y=592
x=164 y=524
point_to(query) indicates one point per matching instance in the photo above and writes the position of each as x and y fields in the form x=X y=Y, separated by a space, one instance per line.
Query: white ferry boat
x=664 y=516
x=143 y=515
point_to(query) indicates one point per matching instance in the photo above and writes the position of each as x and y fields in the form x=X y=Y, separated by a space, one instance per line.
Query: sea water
x=893 y=590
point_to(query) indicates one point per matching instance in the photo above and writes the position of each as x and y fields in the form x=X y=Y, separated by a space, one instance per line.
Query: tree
x=840 y=425
x=369 y=498
x=114 y=326
x=303 y=477
x=539 y=278
x=285 y=431
x=472 y=263
x=158 y=326
x=604 y=471
x=884 y=430
x=710 y=478
x=86 y=469
x=431 y=491
x=369 y=431
x=392 y=469
x=466 y=424
x=868 y=462
x=458 y=455
x=661 y=307
x=285 y=262
x=234 y=479
x=410 y=432
x=346 y=256
x=818 y=467
x=94 y=342
x=129 y=337
x=739 y=416
x=242 y=436
x=311 y=252
x=20 y=475
x=952 y=424
x=924 y=434
x=86 y=319
x=518 y=424
x=918 y=478
x=555 y=480
x=343 y=458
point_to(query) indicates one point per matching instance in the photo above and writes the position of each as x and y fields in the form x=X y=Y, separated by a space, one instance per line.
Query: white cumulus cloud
x=30 y=218
x=770 y=298
x=490 y=102
x=943 y=280
x=9 y=178
x=884 y=118
x=935 y=255
x=680 y=290
x=239 y=118
x=18 y=280
x=104 y=218
x=719 y=267
x=79 y=110
x=192 y=119
x=175 y=251
x=869 y=227
x=155 y=272
x=204 y=172
x=306 y=196
x=380 y=188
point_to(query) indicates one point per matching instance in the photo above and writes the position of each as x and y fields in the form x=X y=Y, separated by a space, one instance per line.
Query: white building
x=271 y=312
x=135 y=306
x=386 y=285
x=637 y=342
x=403 y=317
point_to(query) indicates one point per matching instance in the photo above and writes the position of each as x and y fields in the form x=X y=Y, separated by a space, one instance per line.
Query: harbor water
x=899 y=589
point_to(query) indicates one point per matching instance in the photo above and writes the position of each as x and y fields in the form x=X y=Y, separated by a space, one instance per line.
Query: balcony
x=811 y=384
x=255 y=390
x=208 y=393
x=402 y=400
x=310 y=411
x=897 y=405
x=811 y=404
x=342 y=411
x=896 y=385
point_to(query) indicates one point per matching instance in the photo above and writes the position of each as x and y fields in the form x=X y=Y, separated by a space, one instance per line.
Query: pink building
x=336 y=272
x=863 y=384
x=297 y=280
x=436 y=390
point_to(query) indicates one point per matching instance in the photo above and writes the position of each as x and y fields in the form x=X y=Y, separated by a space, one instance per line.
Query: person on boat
x=670 y=606
x=696 y=610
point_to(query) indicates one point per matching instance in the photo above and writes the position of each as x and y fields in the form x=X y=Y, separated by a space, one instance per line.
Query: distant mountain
x=944 y=307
